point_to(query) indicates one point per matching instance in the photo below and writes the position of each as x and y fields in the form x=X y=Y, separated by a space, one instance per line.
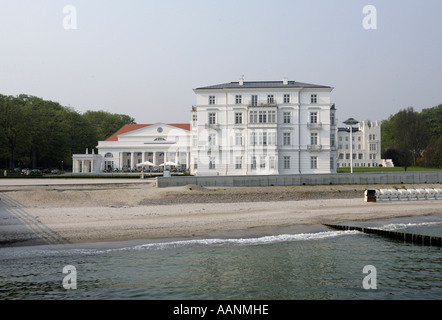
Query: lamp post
x=351 y=122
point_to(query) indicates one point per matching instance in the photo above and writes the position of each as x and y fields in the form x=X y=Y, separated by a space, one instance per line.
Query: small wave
x=19 y=253
x=243 y=241
x=399 y=226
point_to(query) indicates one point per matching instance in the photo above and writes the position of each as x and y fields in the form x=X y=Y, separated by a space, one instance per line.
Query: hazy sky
x=143 y=58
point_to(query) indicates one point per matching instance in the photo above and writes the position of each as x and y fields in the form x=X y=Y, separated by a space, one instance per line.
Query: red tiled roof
x=132 y=127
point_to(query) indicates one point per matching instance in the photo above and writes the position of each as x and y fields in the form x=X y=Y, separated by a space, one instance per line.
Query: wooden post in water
x=406 y=237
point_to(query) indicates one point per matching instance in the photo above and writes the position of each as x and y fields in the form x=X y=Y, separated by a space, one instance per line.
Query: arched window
x=160 y=139
x=108 y=155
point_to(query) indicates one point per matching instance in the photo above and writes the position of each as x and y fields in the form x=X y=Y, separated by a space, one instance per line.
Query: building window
x=332 y=163
x=270 y=98
x=252 y=138
x=286 y=117
x=212 y=117
x=272 y=162
x=211 y=99
x=314 y=98
x=372 y=146
x=262 y=138
x=212 y=139
x=314 y=138
x=238 y=139
x=286 y=162
x=286 y=98
x=286 y=138
x=313 y=162
x=238 y=117
x=253 y=163
x=271 y=138
x=272 y=116
x=212 y=163
x=254 y=100
x=262 y=116
x=109 y=155
x=238 y=99
x=238 y=164
x=313 y=117
x=253 y=116
x=194 y=120
x=360 y=156
x=262 y=162
x=332 y=140
x=332 y=118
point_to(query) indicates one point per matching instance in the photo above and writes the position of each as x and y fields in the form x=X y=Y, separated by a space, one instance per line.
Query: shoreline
x=75 y=214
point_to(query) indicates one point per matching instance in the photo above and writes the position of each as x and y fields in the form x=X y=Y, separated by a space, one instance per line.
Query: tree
x=106 y=124
x=411 y=136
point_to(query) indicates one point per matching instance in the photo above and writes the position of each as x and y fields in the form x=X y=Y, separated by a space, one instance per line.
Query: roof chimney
x=241 y=81
x=285 y=81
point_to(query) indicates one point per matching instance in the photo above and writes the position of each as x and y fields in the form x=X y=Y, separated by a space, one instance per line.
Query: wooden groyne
x=402 y=236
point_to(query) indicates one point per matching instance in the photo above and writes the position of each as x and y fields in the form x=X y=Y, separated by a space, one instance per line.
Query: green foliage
x=40 y=133
x=413 y=137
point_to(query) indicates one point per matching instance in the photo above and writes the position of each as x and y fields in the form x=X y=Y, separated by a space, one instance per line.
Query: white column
x=82 y=166
x=132 y=160
x=143 y=156
x=92 y=165
x=351 y=149
x=188 y=160
x=155 y=158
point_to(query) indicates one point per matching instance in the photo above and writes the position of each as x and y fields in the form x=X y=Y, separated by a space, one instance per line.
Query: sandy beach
x=75 y=213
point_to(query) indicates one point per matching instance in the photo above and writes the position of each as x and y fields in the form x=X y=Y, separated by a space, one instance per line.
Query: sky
x=144 y=58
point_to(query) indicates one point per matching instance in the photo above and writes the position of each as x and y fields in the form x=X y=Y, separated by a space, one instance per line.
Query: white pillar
x=82 y=166
x=132 y=160
x=155 y=158
x=351 y=149
x=121 y=161
x=143 y=156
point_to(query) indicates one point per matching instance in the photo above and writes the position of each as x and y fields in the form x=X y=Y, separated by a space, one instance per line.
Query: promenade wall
x=415 y=177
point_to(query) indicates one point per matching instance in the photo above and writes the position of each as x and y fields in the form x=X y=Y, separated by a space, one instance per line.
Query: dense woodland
x=36 y=133
x=411 y=138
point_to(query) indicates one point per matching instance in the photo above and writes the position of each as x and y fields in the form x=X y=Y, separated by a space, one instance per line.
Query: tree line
x=37 y=133
x=412 y=138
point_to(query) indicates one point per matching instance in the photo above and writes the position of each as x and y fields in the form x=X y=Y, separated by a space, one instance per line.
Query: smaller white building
x=162 y=145
x=366 y=146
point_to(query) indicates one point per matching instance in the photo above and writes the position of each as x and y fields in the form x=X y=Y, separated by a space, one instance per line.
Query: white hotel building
x=261 y=128
x=366 y=140
x=236 y=128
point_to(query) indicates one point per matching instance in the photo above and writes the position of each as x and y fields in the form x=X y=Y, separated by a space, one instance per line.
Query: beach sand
x=76 y=213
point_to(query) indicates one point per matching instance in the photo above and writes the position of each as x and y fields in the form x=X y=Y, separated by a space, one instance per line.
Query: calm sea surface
x=324 y=264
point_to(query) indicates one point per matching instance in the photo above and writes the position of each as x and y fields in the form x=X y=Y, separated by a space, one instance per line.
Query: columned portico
x=163 y=145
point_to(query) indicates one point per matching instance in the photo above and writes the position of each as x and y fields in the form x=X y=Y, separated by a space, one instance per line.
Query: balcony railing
x=263 y=103
x=314 y=126
x=214 y=126
x=314 y=147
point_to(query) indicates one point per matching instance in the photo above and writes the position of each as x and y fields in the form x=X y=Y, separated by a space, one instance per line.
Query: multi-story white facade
x=366 y=146
x=266 y=127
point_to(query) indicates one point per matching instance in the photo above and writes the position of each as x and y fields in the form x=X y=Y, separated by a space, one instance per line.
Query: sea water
x=321 y=265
